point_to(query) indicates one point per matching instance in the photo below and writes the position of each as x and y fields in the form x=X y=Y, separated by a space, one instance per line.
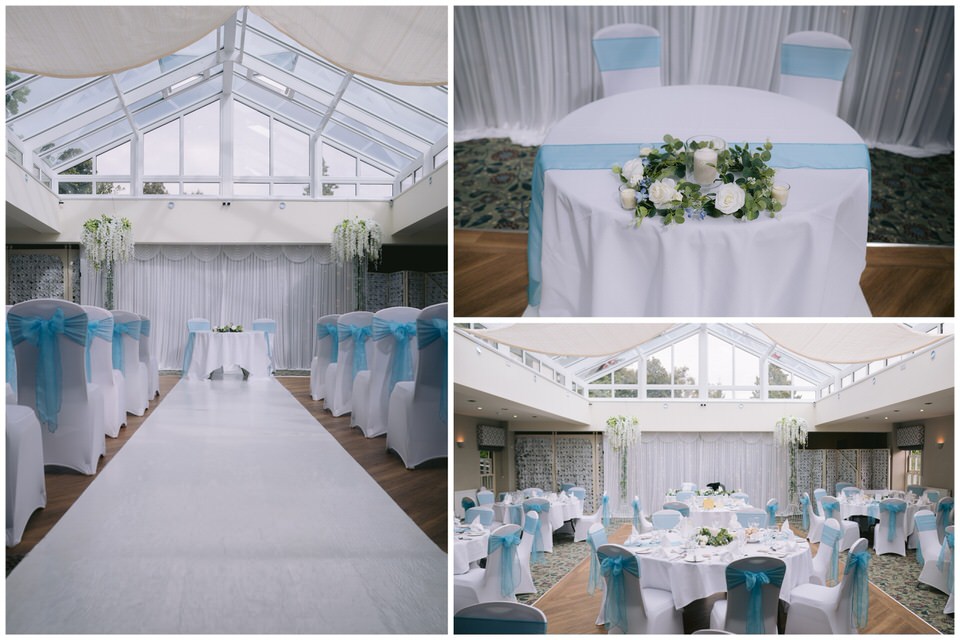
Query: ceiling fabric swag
x=574 y=339
x=81 y=42
x=847 y=343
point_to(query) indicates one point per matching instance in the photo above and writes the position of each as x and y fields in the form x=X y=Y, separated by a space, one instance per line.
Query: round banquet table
x=212 y=350
x=586 y=258
x=468 y=548
x=689 y=581
x=849 y=509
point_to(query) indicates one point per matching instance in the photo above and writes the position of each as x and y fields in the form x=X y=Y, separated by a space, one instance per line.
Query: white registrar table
x=212 y=350
x=468 y=548
x=587 y=259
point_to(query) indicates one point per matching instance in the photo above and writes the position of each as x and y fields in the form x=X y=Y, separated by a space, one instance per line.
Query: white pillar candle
x=628 y=198
x=780 y=193
x=703 y=173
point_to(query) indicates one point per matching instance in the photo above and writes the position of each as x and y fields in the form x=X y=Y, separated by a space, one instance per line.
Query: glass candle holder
x=781 y=192
x=628 y=197
x=701 y=158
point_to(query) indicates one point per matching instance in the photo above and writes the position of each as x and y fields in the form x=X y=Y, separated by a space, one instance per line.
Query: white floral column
x=622 y=458
x=107 y=241
x=790 y=433
x=357 y=242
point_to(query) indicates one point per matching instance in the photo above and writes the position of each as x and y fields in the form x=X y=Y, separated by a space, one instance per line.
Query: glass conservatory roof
x=387 y=127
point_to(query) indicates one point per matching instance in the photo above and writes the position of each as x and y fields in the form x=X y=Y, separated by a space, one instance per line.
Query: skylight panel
x=36 y=92
x=394 y=112
x=431 y=100
x=93 y=142
x=65 y=108
x=365 y=146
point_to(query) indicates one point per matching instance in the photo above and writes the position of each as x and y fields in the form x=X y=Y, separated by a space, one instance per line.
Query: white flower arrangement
x=357 y=239
x=229 y=328
x=791 y=431
x=622 y=431
x=107 y=241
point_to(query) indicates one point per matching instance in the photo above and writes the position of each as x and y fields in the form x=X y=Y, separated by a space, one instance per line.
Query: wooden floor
x=490 y=277
x=421 y=493
x=569 y=609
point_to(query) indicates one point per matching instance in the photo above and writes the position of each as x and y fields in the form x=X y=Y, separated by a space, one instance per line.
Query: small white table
x=212 y=350
x=468 y=548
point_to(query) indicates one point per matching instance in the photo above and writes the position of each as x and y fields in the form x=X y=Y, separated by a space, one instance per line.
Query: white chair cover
x=326 y=341
x=815 y=609
x=648 y=610
x=929 y=550
x=816 y=521
x=822 y=561
x=148 y=358
x=628 y=56
x=11 y=368
x=751 y=517
x=340 y=401
x=530 y=522
x=881 y=532
x=484 y=497
x=135 y=375
x=26 y=491
x=851 y=530
x=812 y=66
x=948 y=562
x=542 y=507
x=417 y=423
x=731 y=614
x=372 y=388
x=269 y=328
x=483 y=585
x=666 y=519
x=584 y=523
x=111 y=382
x=76 y=441
x=818 y=495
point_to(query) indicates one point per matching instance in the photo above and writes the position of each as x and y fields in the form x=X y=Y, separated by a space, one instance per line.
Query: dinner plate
x=475 y=534
x=643 y=551
x=693 y=559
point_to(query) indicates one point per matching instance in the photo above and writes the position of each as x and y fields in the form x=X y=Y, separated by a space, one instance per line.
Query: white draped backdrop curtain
x=521 y=69
x=236 y=284
x=740 y=460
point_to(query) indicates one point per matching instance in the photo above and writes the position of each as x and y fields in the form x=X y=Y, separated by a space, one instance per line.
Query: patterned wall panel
x=34 y=275
x=874 y=468
x=534 y=461
x=405 y=288
x=75 y=278
x=435 y=288
x=575 y=464
x=810 y=464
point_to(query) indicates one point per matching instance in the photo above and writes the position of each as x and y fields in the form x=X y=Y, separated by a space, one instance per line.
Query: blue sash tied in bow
x=44 y=334
x=605 y=501
x=754 y=581
x=943 y=513
x=814 y=62
x=618 y=54
x=804 y=507
x=359 y=335
x=402 y=332
x=772 y=514
x=102 y=329
x=508 y=557
x=636 y=514
x=829 y=507
x=532 y=527
x=595 y=541
x=615 y=606
x=947 y=542
x=120 y=329
x=858 y=563
x=894 y=508
x=831 y=538
x=324 y=330
x=428 y=332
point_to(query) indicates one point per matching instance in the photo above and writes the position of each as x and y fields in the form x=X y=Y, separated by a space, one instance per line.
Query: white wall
x=30 y=203
x=466 y=459
x=938 y=463
x=712 y=416
x=423 y=205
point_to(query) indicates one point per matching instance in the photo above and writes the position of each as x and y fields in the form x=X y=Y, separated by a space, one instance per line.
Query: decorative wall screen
x=548 y=460
x=824 y=468
x=535 y=462
x=575 y=463
x=910 y=437
x=40 y=273
x=405 y=289
x=491 y=437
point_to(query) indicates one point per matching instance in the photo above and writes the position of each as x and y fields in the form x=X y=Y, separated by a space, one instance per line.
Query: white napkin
x=476 y=526
x=508 y=499
x=634 y=537
x=733 y=523
x=785 y=527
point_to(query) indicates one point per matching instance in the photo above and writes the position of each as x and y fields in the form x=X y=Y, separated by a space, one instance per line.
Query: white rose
x=645 y=152
x=730 y=198
x=702 y=540
x=663 y=193
x=633 y=170
x=713 y=532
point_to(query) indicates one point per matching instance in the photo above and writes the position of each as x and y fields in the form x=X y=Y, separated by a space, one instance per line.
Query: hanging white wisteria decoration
x=107 y=241
x=357 y=240
x=791 y=433
x=622 y=433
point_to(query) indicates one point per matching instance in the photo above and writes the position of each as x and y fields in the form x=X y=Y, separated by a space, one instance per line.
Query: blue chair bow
x=943 y=513
x=947 y=542
x=532 y=526
x=402 y=333
x=605 y=501
x=324 y=330
x=359 y=335
x=102 y=329
x=44 y=334
x=754 y=581
x=595 y=540
x=858 y=563
x=636 y=514
x=831 y=538
x=615 y=606
x=428 y=332
x=132 y=329
x=772 y=513
x=894 y=508
x=829 y=507
x=804 y=507
x=509 y=581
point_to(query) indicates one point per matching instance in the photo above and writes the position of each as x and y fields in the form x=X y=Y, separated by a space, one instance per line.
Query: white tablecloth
x=807 y=263
x=690 y=581
x=212 y=350
x=467 y=549
x=856 y=509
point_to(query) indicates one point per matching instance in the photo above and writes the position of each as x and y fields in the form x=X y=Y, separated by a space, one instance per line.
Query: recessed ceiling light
x=927 y=403
x=514 y=416
x=533 y=416
x=921 y=410
x=479 y=408
x=885 y=418
x=471 y=400
x=896 y=410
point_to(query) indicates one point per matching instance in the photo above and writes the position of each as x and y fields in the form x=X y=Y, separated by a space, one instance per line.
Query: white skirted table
x=212 y=350
x=586 y=258
x=469 y=547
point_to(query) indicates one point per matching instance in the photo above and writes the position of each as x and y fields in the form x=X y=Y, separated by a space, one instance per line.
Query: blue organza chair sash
x=509 y=580
x=497 y=626
x=858 y=563
x=102 y=329
x=926 y=522
x=615 y=606
x=144 y=327
x=595 y=540
x=618 y=54
x=943 y=513
x=268 y=328
x=636 y=514
x=754 y=581
x=120 y=329
x=831 y=538
x=805 y=507
x=532 y=526
x=829 y=507
x=772 y=513
x=402 y=332
x=894 y=508
x=428 y=332
x=192 y=328
x=44 y=334
x=814 y=62
x=873 y=510
x=605 y=502
x=324 y=330
x=947 y=542
x=11 y=361
x=359 y=335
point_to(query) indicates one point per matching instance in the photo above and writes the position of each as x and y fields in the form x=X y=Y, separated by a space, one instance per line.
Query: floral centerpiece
x=357 y=242
x=711 y=537
x=791 y=433
x=711 y=492
x=107 y=241
x=660 y=188
x=229 y=328
x=623 y=432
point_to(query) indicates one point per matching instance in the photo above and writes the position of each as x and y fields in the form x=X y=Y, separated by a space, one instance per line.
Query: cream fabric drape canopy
x=403 y=45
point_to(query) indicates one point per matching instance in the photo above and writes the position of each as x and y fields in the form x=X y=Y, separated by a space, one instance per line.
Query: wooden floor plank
x=490 y=277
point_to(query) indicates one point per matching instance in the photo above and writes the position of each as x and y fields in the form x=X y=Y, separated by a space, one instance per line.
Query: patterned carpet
x=896 y=576
x=492 y=191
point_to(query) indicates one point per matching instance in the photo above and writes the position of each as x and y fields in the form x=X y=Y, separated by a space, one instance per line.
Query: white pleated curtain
x=521 y=69
x=233 y=284
x=662 y=461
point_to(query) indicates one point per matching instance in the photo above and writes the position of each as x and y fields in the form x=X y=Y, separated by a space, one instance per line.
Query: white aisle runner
x=231 y=510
